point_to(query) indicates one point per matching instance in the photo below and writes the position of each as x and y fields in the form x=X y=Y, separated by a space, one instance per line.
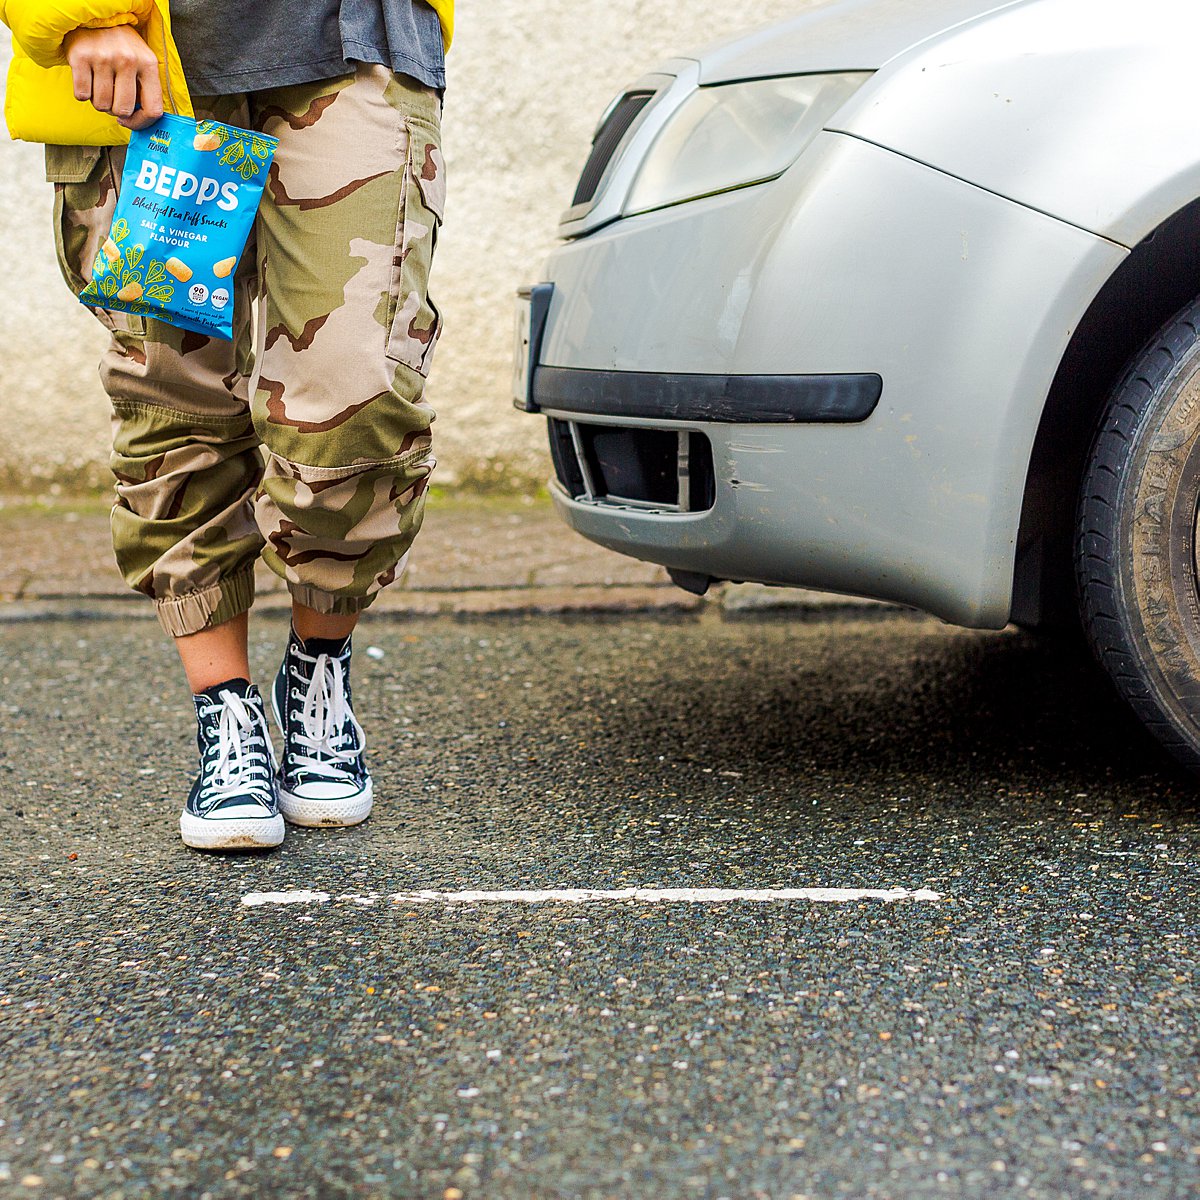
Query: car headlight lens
x=736 y=134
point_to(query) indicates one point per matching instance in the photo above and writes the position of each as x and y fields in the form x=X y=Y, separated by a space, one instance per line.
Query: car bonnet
x=841 y=35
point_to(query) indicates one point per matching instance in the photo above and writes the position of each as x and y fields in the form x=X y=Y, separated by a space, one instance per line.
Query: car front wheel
x=1137 y=559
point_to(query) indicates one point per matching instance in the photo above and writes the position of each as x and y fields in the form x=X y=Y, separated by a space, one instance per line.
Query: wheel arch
x=1158 y=277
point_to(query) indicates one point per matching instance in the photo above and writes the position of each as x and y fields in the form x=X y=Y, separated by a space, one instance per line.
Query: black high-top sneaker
x=323 y=777
x=232 y=805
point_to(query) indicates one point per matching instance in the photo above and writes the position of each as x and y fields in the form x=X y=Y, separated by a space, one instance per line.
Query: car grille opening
x=605 y=144
x=661 y=470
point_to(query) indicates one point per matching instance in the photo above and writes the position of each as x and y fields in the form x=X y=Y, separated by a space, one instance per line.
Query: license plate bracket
x=533 y=307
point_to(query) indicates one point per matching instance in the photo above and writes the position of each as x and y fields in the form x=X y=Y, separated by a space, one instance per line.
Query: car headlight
x=736 y=134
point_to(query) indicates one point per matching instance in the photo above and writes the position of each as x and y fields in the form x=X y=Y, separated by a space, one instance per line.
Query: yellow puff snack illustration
x=111 y=250
x=206 y=141
x=131 y=291
x=178 y=268
x=224 y=267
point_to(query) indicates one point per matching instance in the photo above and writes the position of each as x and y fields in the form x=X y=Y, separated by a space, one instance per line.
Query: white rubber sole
x=252 y=833
x=326 y=814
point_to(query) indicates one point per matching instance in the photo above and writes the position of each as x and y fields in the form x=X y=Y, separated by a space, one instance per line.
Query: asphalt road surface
x=1032 y=1033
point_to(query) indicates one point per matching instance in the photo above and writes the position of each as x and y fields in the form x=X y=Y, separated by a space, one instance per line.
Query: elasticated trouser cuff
x=196 y=611
x=326 y=602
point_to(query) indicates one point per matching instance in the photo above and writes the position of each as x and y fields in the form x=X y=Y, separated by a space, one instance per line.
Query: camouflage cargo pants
x=305 y=439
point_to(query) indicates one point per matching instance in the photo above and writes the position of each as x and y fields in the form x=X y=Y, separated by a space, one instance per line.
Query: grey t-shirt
x=230 y=46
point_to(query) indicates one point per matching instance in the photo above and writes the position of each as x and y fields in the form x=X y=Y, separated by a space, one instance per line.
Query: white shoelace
x=238 y=769
x=323 y=717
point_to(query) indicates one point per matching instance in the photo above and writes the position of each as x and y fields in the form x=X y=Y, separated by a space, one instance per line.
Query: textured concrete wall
x=528 y=79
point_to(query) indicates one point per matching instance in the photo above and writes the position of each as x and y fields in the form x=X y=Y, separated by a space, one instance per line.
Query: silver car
x=899 y=299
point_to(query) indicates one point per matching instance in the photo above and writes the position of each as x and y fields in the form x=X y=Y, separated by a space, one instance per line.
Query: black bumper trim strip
x=730 y=399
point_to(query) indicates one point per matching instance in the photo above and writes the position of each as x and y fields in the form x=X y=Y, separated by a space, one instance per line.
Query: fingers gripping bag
x=189 y=194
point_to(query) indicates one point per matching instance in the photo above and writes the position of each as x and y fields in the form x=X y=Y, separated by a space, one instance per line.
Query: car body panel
x=961 y=300
x=1082 y=109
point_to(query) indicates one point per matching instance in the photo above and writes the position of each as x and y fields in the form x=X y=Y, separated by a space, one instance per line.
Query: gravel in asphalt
x=1033 y=1033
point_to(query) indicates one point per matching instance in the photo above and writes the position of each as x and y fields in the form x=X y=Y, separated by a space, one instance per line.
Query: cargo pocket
x=86 y=182
x=413 y=321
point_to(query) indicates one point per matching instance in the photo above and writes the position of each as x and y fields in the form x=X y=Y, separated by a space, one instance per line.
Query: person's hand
x=117 y=72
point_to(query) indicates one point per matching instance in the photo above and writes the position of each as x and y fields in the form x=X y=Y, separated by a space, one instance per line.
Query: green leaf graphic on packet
x=189 y=194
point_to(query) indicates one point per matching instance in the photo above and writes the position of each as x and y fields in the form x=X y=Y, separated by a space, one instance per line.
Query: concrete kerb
x=477 y=555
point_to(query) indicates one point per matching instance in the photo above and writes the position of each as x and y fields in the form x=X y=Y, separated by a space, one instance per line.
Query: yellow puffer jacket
x=40 y=104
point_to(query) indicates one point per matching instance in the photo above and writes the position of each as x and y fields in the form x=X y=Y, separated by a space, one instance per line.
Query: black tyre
x=1136 y=555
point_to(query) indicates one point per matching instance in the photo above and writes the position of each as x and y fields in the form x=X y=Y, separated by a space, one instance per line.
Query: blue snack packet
x=189 y=194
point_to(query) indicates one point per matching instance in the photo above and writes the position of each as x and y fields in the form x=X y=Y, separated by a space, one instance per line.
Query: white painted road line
x=594 y=895
x=256 y=898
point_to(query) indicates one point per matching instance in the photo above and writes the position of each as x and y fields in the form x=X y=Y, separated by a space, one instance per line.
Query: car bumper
x=735 y=399
x=856 y=264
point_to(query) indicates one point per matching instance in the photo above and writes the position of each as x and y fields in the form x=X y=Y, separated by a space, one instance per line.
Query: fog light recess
x=634 y=467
